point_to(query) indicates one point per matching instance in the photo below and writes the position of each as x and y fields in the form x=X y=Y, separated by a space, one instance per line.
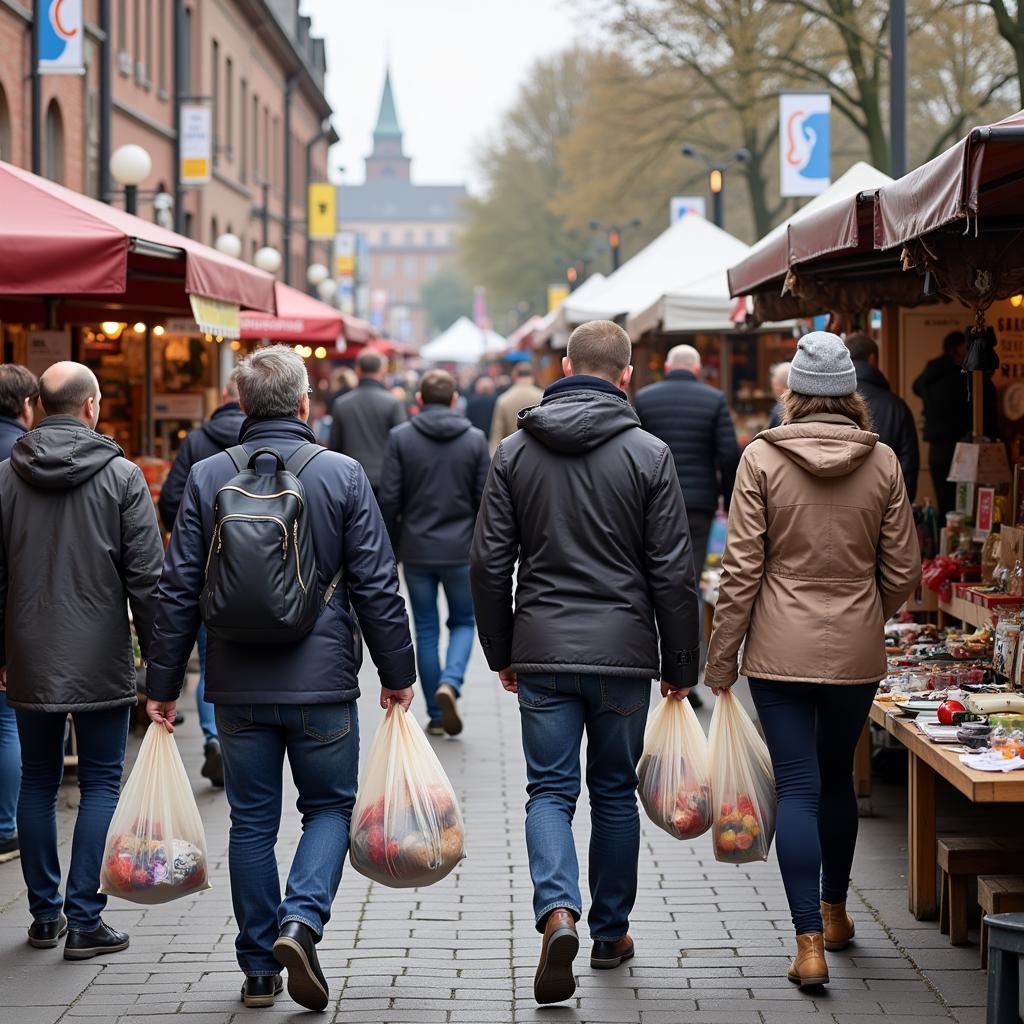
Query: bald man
x=79 y=532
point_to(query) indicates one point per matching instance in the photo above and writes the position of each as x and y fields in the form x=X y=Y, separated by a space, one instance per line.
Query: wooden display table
x=961 y=610
x=925 y=762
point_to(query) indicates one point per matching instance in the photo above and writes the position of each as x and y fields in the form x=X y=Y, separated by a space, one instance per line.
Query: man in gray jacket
x=79 y=532
x=361 y=420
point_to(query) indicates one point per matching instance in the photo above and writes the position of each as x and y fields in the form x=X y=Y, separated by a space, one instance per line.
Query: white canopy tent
x=463 y=342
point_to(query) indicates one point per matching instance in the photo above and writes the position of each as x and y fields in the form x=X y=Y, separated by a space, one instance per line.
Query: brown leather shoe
x=606 y=956
x=839 y=926
x=555 y=981
x=809 y=967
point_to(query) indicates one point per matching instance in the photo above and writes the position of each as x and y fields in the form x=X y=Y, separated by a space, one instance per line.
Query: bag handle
x=239 y=456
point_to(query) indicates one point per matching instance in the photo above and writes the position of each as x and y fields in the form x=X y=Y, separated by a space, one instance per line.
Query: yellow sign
x=213 y=316
x=557 y=294
x=321 y=215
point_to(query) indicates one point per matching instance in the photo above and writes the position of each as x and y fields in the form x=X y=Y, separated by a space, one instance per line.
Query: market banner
x=60 y=29
x=196 y=143
x=321 y=215
x=216 y=317
x=805 y=147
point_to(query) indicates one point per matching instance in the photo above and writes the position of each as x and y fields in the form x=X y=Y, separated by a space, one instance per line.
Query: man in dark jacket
x=19 y=390
x=434 y=474
x=480 y=405
x=79 y=534
x=891 y=417
x=589 y=505
x=217 y=434
x=362 y=419
x=295 y=698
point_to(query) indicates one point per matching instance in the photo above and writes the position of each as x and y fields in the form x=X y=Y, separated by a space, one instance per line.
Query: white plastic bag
x=743 y=785
x=156 y=847
x=675 y=788
x=407 y=829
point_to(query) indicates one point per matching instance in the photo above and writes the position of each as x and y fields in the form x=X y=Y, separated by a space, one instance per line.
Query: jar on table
x=1008 y=735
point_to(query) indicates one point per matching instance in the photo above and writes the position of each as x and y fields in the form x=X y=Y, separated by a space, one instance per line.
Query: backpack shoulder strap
x=239 y=456
x=302 y=457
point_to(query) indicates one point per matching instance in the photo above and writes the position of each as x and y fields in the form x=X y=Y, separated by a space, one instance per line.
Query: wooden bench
x=998 y=894
x=959 y=857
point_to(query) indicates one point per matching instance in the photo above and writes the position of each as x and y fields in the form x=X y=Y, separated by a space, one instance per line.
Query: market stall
x=463 y=342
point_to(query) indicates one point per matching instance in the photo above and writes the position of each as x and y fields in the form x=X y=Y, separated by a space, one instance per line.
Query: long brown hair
x=853 y=407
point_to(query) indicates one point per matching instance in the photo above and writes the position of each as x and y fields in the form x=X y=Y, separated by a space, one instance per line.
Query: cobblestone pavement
x=713 y=940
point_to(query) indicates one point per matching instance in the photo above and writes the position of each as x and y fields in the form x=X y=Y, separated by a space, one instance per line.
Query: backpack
x=261 y=584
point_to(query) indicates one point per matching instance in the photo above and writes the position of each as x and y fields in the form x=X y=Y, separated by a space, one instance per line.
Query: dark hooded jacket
x=217 y=434
x=590 y=507
x=361 y=420
x=80 y=544
x=10 y=431
x=892 y=421
x=347 y=531
x=434 y=474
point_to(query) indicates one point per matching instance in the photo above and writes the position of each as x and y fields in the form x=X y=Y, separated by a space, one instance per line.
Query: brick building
x=256 y=62
x=410 y=230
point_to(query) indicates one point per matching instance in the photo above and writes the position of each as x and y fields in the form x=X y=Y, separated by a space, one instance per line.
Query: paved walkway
x=713 y=940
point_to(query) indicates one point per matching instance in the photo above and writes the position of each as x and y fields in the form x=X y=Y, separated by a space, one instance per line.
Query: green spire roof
x=387 y=118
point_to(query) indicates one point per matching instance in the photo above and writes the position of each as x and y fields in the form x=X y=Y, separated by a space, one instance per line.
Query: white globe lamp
x=315 y=273
x=327 y=289
x=130 y=165
x=268 y=259
x=229 y=244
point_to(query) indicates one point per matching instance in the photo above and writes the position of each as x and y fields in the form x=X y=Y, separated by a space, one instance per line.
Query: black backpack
x=261 y=581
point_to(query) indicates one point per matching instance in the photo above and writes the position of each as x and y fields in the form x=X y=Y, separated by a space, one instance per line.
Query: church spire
x=387 y=117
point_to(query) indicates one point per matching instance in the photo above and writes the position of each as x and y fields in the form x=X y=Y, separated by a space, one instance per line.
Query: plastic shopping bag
x=156 y=847
x=743 y=785
x=675 y=788
x=407 y=828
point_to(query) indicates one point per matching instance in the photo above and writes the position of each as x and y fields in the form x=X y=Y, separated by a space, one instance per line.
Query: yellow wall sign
x=557 y=294
x=321 y=214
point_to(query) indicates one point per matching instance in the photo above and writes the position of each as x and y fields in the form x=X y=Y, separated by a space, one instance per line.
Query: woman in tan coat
x=821 y=551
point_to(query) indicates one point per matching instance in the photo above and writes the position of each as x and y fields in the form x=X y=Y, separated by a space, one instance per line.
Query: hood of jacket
x=831 y=446
x=61 y=453
x=868 y=374
x=440 y=423
x=223 y=426
x=575 y=420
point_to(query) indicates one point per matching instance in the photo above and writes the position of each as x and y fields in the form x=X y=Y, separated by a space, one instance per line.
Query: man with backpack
x=217 y=434
x=274 y=538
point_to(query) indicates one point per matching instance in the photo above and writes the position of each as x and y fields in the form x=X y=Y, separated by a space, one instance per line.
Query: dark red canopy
x=86 y=255
x=300 y=318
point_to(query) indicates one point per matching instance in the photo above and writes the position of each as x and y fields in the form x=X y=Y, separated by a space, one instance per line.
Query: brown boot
x=839 y=927
x=555 y=981
x=809 y=967
x=606 y=956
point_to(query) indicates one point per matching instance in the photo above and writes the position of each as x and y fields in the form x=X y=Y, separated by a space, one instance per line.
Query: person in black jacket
x=434 y=474
x=362 y=419
x=480 y=405
x=79 y=536
x=19 y=390
x=295 y=698
x=217 y=434
x=891 y=417
x=589 y=506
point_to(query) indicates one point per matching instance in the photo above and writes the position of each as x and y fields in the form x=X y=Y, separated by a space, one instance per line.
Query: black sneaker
x=81 y=945
x=448 y=701
x=213 y=763
x=9 y=848
x=295 y=949
x=46 y=934
x=259 y=990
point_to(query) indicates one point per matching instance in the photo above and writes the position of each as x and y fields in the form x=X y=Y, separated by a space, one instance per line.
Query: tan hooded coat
x=821 y=551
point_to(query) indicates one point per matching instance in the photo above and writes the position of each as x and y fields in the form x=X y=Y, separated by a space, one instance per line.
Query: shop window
x=214 y=232
x=229 y=107
x=5 y=127
x=409 y=266
x=54 y=168
x=215 y=97
x=162 y=37
x=428 y=236
x=243 y=144
x=149 y=30
x=410 y=236
x=387 y=267
x=385 y=237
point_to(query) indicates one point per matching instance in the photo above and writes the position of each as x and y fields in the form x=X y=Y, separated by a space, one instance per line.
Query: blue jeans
x=207 y=718
x=322 y=744
x=101 y=737
x=423 y=581
x=812 y=731
x=555 y=710
x=10 y=769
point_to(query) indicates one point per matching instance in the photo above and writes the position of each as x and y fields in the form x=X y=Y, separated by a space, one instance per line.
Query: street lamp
x=163 y=203
x=229 y=244
x=716 y=175
x=327 y=289
x=614 y=232
x=268 y=259
x=130 y=166
x=315 y=274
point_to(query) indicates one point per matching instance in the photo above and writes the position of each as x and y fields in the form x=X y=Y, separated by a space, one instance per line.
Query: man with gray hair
x=780 y=385
x=295 y=698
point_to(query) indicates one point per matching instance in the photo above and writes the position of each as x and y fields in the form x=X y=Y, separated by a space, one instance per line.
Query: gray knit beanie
x=822 y=366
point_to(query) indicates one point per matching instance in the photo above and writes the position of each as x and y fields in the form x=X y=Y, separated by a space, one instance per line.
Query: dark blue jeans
x=423 y=582
x=101 y=737
x=207 y=718
x=555 y=711
x=322 y=744
x=10 y=769
x=812 y=731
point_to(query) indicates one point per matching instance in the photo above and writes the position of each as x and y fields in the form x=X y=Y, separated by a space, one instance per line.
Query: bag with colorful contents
x=156 y=847
x=406 y=825
x=743 y=785
x=673 y=771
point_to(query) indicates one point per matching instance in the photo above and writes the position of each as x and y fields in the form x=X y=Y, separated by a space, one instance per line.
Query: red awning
x=58 y=244
x=300 y=318
x=361 y=332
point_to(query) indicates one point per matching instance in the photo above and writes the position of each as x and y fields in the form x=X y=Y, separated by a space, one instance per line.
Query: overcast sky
x=455 y=65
